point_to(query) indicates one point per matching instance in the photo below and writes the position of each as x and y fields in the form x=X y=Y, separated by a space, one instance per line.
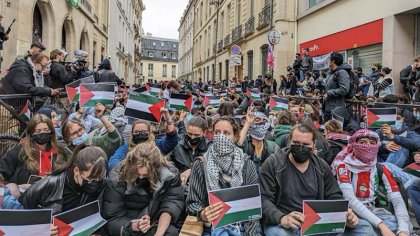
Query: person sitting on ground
x=141 y=131
x=357 y=173
x=294 y=174
x=144 y=196
x=79 y=182
x=191 y=146
x=39 y=153
x=252 y=138
x=284 y=124
x=336 y=137
x=224 y=166
x=74 y=134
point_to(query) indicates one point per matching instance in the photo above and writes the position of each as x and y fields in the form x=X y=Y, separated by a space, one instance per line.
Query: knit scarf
x=359 y=157
x=224 y=159
x=38 y=75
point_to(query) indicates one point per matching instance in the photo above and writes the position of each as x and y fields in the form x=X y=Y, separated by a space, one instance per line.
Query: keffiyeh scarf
x=224 y=159
x=359 y=157
x=258 y=131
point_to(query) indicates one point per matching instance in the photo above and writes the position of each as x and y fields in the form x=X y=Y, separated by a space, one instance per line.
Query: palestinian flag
x=206 y=93
x=116 y=89
x=72 y=89
x=91 y=94
x=154 y=89
x=223 y=93
x=25 y=114
x=84 y=220
x=413 y=169
x=145 y=107
x=178 y=101
x=142 y=89
x=376 y=117
x=74 y=3
x=239 y=204
x=278 y=103
x=324 y=216
x=25 y=222
x=254 y=94
x=213 y=101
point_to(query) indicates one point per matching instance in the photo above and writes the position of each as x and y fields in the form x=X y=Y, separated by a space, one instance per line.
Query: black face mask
x=142 y=182
x=194 y=141
x=92 y=187
x=300 y=153
x=42 y=138
x=140 y=137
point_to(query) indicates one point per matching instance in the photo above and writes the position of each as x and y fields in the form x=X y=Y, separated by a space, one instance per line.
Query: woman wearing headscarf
x=336 y=137
x=141 y=132
x=357 y=173
x=253 y=138
x=224 y=166
x=38 y=153
x=144 y=196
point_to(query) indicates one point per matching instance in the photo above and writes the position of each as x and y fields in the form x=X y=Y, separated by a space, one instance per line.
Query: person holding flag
x=358 y=175
x=39 y=153
x=75 y=184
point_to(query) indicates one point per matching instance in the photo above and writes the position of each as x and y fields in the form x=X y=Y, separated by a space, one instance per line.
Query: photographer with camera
x=410 y=77
x=58 y=72
x=81 y=64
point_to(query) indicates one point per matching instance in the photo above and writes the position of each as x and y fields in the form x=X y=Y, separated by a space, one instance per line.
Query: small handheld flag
x=84 y=220
x=413 y=169
x=324 y=216
x=278 y=103
x=376 y=117
x=25 y=222
x=154 y=89
x=92 y=94
x=239 y=204
x=25 y=114
x=72 y=89
x=179 y=101
x=144 y=107
x=213 y=101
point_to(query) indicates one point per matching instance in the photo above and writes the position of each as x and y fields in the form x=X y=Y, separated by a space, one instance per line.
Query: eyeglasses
x=78 y=132
x=89 y=181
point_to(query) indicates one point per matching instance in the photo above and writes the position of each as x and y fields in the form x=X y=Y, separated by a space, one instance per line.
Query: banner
x=321 y=62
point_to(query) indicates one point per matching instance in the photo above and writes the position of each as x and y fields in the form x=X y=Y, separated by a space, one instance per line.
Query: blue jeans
x=411 y=184
x=364 y=228
x=387 y=217
x=229 y=230
x=399 y=158
x=302 y=72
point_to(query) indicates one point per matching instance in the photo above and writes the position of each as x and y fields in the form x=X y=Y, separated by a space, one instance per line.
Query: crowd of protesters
x=149 y=177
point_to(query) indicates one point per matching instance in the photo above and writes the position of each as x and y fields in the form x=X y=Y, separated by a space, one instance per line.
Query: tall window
x=227 y=69
x=141 y=68
x=201 y=14
x=150 y=70
x=173 y=71
x=264 y=54
x=251 y=8
x=164 y=70
x=229 y=7
x=312 y=3
x=250 y=64
x=220 y=71
x=238 y=10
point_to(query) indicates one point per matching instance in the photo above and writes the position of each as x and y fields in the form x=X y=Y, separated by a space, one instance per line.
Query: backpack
x=335 y=147
x=353 y=82
x=382 y=200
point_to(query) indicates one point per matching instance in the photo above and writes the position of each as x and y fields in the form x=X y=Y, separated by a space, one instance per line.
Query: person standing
x=274 y=86
x=105 y=73
x=3 y=37
x=306 y=64
x=297 y=63
x=337 y=84
x=58 y=72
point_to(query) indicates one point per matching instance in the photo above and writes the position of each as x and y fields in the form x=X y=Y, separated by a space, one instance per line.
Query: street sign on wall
x=235 y=60
x=235 y=50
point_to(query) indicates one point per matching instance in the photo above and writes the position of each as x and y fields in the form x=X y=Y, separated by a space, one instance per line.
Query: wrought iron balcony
x=264 y=18
x=237 y=33
x=249 y=26
x=220 y=46
x=227 y=40
x=104 y=28
x=86 y=5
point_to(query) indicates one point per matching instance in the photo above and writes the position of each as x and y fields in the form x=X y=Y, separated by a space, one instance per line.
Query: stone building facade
x=186 y=35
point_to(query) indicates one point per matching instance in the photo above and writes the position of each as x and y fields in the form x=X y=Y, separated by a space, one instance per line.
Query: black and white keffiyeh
x=224 y=158
x=259 y=130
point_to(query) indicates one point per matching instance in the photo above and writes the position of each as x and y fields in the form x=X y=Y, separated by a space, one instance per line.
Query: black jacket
x=121 y=201
x=183 y=156
x=47 y=193
x=337 y=86
x=107 y=76
x=20 y=80
x=13 y=168
x=272 y=179
x=60 y=76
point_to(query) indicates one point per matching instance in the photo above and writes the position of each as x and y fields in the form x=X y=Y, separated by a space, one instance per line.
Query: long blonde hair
x=30 y=151
x=147 y=155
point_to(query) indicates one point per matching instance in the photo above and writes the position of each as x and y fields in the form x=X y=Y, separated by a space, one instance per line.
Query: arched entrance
x=42 y=28
x=67 y=35
x=37 y=25
x=84 y=41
